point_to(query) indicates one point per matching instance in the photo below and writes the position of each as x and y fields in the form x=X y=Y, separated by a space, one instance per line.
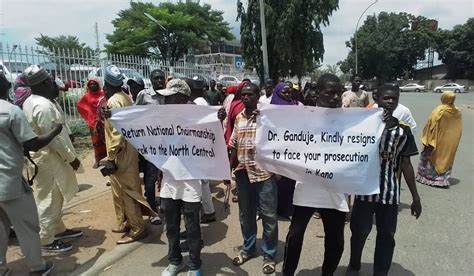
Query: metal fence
x=74 y=68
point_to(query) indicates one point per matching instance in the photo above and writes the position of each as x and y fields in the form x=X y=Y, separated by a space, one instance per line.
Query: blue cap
x=113 y=76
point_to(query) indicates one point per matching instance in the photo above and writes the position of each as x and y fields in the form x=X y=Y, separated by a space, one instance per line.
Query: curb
x=108 y=259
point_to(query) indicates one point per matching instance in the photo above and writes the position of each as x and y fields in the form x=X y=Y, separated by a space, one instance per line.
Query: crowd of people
x=33 y=126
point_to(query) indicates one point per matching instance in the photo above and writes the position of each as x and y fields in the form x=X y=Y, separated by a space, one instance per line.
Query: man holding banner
x=396 y=147
x=331 y=206
x=121 y=165
x=253 y=184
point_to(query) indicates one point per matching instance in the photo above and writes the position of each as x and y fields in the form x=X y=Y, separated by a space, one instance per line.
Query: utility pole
x=97 y=44
x=264 y=40
x=355 y=36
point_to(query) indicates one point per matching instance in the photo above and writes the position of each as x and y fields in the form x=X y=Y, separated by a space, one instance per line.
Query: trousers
x=22 y=214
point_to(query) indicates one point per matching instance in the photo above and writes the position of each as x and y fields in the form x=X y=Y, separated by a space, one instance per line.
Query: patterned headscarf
x=21 y=90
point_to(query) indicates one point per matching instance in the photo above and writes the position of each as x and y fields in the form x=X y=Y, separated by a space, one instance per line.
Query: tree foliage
x=61 y=46
x=456 y=49
x=387 y=46
x=187 y=24
x=294 y=38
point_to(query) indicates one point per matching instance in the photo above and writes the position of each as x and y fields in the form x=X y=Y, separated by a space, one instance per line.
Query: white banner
x=186 y=141
x=337 y=147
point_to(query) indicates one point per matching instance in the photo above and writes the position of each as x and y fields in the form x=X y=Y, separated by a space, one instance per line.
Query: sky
x=23 y=20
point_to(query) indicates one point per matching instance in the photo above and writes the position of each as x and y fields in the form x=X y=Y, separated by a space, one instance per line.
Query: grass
x=82 y=141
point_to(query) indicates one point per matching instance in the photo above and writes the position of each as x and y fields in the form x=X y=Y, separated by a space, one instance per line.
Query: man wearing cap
x=177 y=195
x=136 y=86
x=56 y=180
x=152 y=174
x=17 y=205
x=121 y=165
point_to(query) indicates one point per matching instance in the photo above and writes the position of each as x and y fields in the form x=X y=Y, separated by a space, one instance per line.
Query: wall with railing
x=75 y=67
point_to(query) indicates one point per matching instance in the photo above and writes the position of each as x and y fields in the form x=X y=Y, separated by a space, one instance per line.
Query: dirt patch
x=95 y=217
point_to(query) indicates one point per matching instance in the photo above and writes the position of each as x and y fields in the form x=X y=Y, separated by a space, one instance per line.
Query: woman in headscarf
x=88 y=107
x=282 y=95
x=440 y=139
x=286 y=186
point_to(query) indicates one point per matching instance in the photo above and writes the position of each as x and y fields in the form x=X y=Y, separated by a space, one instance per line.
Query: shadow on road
x=366 y=269
x=67 y=262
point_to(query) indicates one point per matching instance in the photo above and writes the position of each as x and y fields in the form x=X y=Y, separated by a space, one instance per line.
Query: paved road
x=439 y=243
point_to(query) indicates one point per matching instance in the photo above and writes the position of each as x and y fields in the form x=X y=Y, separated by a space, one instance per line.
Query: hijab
x=87 y=105
x=443 y=132
x=277 y=99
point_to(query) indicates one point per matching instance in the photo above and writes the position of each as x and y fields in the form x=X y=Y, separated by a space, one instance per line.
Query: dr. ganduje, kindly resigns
x=337 y=147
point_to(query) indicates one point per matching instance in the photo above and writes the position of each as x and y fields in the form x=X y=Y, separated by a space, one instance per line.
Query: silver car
x=456 y=88
x=412 y=87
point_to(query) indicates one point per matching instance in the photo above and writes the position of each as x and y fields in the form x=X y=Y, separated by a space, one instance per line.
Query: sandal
x=268 y=266
x=241 y=258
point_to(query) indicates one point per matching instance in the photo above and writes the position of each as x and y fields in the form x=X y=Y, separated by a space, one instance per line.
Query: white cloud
x=23 y=20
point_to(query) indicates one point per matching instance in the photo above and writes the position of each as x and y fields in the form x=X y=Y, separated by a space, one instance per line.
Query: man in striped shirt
x=396 y=146
x=253 y=184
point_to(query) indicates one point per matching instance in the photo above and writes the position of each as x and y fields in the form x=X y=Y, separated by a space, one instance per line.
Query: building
x=223 y=58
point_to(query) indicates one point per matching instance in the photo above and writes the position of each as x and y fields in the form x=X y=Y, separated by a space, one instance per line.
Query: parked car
x=412 y=87
x=228 y=80
x=456 y=88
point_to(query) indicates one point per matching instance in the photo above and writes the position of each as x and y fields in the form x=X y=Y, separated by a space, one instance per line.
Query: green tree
x=456 y=49
x=59 y=47
x=387 y=46
x=188 y=25
x=294 y=38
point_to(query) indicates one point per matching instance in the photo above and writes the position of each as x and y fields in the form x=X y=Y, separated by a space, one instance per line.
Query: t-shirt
x=403 y=114
x=396 y=142
x=317 y=196
x=213 y=97
x=355 y=99
x=14 y=131
x=185 y=190
x=264 y=99
x=149 y=96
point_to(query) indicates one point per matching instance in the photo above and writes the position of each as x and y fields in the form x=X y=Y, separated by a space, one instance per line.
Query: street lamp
x=264 y=40
x=355 y=36
x=161 y=26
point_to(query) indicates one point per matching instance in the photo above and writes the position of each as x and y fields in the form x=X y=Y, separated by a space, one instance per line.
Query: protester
x=231 y=90
x=21 y=91
x=332 y=207
x=402 y=113
x=121 y=165
x=267 y=97
x=197 y=91
x=56 y=181
x=311 y=97
x=149 y=96
x=87 y=106
x=222 y=93
x=253 y=184
x=440 y=139
x=355 y=97
x=396 y=146
x=181 y=196
x=209 y=213
x=151 y=174
x=286 y=186
x=136 y=86
x=17 y=205
x=213 y=95
x=282 y=94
